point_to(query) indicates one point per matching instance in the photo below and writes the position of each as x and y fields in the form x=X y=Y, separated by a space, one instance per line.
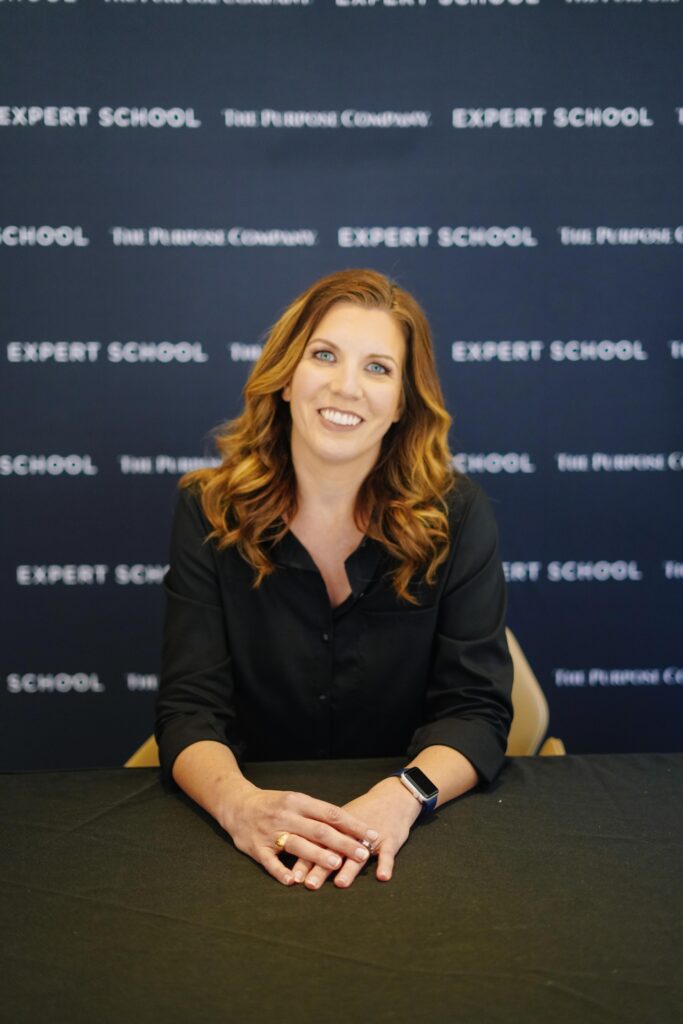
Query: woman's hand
x=393 y=810
x=319 y=832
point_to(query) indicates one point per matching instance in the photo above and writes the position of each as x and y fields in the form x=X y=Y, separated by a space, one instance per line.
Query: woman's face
x=347 y=389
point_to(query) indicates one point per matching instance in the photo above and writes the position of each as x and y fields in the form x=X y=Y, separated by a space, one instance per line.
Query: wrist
x=232 y=801
x=403 y=797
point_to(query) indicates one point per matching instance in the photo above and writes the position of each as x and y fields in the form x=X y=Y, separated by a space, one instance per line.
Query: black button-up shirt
x=276 y=673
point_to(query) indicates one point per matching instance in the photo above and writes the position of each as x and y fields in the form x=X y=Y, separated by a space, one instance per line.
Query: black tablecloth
x=551 y=896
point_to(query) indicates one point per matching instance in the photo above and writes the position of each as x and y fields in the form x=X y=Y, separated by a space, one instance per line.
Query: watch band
x=428 y=801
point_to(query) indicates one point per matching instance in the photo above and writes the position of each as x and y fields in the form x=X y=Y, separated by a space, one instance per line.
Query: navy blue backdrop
x=174 y=173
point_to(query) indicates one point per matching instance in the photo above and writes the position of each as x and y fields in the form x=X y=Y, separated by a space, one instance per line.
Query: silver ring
x=367 y=844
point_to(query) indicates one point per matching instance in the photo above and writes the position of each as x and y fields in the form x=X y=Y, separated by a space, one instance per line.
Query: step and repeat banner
x=175 y=172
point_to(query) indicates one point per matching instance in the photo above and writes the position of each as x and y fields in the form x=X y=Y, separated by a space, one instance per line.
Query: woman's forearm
x=208 y=772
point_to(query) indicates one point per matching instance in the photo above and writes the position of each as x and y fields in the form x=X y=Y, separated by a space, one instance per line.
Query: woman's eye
x=324 y=355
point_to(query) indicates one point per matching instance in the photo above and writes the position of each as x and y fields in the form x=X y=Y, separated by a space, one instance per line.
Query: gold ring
x=280 y=840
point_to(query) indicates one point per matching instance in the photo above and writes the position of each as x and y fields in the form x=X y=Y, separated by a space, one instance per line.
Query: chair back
x=530 y=722
x=146 y=756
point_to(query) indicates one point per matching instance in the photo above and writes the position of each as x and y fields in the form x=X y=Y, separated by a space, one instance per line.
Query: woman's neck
x=327 y=493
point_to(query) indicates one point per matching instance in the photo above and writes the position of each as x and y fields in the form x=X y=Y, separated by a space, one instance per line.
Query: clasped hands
x=324 y=837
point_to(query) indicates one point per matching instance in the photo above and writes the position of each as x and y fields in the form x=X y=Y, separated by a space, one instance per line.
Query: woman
x=334 y=590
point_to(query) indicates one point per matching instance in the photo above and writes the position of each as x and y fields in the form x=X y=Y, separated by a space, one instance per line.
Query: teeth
x=344 y=419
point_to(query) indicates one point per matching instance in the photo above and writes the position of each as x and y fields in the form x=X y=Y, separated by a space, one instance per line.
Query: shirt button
x=322 y=696
x=326 y=637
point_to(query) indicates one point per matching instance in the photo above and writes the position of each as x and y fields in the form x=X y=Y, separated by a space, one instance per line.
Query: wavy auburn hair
x=251 y=496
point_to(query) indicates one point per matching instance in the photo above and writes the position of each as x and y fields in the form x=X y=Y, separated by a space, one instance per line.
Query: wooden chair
x=530 y=722
x=529 y=725
x=146 y=756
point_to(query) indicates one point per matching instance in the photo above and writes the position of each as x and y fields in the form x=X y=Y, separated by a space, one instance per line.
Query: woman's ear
x=286 y=393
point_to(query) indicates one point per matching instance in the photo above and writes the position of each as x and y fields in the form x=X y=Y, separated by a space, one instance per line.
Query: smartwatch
x=420 y=786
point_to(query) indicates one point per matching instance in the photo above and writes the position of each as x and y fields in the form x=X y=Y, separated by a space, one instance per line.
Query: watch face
x=421 y=782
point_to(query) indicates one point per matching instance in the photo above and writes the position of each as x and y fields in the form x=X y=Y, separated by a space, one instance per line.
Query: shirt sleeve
x=468 y=699
x=196 y=689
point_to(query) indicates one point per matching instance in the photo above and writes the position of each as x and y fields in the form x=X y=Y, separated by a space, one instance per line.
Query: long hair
x=402 y=501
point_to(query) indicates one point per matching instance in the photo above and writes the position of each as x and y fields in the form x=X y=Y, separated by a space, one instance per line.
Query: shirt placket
x=324 y=709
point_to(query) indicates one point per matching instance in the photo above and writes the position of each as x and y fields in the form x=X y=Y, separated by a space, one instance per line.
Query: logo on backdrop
x=493 y=462
x=88 y=575
x=592 y=677
x=603 y=235
x=390 y=237
x=484 y=3
x=47 y=465
x=599 y=572
x=22 y=234
x=115 y=351
x=494 y=237
x=562 y=117
x=242 y=353
x=107 y=117
x=349 y=237
x=139 y=682
x=236 y=237
x=49 y=117
x=54 y=682
x=348 y=118
x=573 y=572
x=621 y=462
x=147 y=117
x=557 y=351
x=522 y=572
x=162 y=465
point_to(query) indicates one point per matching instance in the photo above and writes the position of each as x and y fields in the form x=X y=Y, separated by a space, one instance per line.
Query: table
x=551 y=896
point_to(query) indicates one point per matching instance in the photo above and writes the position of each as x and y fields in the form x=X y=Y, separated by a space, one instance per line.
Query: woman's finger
x=347 y=873
x=301 y=869
x=316 y=876
x=275 y=867
x=385 y=864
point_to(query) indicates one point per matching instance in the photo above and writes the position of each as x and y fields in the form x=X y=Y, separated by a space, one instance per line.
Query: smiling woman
x=334 y=590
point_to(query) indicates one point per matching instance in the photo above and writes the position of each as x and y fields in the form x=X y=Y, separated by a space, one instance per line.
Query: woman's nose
x=347 y=381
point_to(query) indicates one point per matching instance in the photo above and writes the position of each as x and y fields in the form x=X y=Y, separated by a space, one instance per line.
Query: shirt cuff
x=181 y=733
x=471 y=738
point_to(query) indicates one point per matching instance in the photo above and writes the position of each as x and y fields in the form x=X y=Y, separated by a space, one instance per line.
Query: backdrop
x=175 y=172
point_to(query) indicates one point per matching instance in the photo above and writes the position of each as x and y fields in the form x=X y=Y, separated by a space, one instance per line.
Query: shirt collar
x=361 y=565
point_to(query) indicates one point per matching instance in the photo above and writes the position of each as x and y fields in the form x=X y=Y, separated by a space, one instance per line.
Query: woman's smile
x=335 y=419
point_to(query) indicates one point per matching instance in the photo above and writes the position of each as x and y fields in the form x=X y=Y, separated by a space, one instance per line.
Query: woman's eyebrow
x=370 y=355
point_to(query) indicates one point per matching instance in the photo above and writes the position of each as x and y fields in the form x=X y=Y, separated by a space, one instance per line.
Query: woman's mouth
x=336 y=419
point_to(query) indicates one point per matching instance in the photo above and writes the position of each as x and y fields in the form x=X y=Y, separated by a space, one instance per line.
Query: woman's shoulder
x=189 y=510
x=461 y=495
x=469 y=508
